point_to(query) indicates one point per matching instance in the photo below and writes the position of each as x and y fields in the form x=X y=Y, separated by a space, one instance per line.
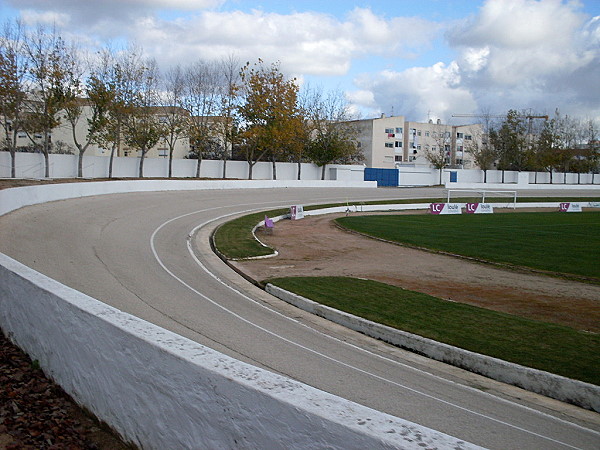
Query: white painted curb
x=555 y=386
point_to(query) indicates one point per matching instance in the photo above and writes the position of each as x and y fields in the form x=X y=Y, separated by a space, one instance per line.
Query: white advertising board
x=296 y=212
x=445 y=208
x=479 y=208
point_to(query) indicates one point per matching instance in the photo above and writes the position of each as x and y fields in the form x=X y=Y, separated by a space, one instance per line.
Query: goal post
x=483 y=193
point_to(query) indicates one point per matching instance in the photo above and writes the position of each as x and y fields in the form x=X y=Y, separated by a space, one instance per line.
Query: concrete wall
x=31 y=165
x=159 y=390
x=15 y=198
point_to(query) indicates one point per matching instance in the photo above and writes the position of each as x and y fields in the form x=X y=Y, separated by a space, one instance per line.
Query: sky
x=423 y=59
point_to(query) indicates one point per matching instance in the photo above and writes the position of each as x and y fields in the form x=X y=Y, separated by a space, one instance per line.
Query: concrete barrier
x=160 y=390
x=555 y=386
x=15 y=198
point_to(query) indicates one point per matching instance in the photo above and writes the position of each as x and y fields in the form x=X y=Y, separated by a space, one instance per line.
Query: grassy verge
x=234 y=239
x=563 y=243
x=553 y=348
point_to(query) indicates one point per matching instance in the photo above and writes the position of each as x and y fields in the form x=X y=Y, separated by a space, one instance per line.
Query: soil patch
x=314 y=246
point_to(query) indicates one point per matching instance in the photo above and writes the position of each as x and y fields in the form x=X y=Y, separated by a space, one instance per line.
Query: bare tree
x=439 y=154
x=13 y=69
x=201 y=102
x=142 y=125
x=481 y=150
x=174 y=118
x=227 y=126
x=328 y=128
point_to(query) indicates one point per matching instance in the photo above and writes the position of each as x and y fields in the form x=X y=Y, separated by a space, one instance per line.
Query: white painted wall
x=160 y=390
x=31 y=165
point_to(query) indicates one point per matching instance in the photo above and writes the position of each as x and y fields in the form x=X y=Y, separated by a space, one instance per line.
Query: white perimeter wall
x=31 y=165
x=160 y=390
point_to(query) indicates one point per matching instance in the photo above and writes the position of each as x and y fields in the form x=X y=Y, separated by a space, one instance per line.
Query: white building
x=388 y=142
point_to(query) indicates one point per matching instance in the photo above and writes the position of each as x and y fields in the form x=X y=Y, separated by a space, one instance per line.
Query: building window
x=163 y=152
x=389 y=144
x=419 y=133
x=427 y=134
x=398 y=158
x=21 y=134
x=459 y=135
x=389 y=130
x=414 y=152
x=399 y=130
x=468 y=137
x=419 y=147
x=398 y=144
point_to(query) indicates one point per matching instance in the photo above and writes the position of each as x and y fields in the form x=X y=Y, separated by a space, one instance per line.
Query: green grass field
x=550 y=347
x=566 y=243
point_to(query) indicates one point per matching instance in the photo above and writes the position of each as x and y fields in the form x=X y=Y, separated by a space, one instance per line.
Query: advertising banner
x=445 y=208
x=296 y=212
x=570 y=207
x=479 y=208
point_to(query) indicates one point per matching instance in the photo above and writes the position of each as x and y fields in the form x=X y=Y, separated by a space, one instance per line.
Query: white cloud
x=305 y=43
x=419 y=92
x=513 y=54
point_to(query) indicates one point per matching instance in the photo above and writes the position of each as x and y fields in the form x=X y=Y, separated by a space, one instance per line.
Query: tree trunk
x=110 y=162
x=170 y=162
x=13 y=164
x=47 y=162
x=80 y=164
x=485 y=175
x=198 y=166
x=224 y=168
x=141 y=174
x=503 y=176
x=323 y=172
x=299 y=169
x=440 y=169
x=274 y=164
x=550 y=176
x=250 y=166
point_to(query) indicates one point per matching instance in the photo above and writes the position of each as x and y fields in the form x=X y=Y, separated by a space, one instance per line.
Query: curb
x=582 y=394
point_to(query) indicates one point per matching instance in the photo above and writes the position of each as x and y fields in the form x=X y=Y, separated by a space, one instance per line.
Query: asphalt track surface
x=148 y=254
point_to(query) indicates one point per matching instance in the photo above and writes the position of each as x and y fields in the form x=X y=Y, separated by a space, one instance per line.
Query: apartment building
x=381 y=140
x=389 y=142
x=63 y=137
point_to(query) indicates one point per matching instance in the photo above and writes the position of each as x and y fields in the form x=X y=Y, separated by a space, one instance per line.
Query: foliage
x=269 y=112
x=509 y=142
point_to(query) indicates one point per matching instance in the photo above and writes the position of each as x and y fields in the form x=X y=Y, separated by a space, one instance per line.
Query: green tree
x=509 y=142
x=13 y=69
x=268 y=112
x=51 y=64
